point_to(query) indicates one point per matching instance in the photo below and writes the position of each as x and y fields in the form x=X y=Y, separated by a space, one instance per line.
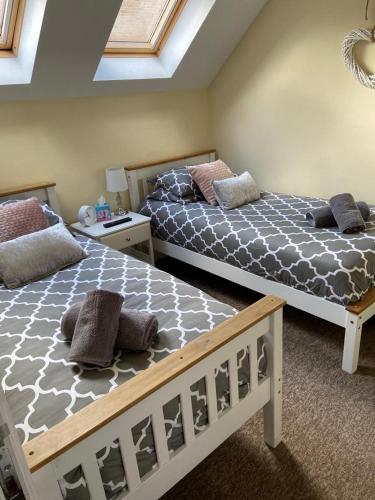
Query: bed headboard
x=44 y=191
x=138 y=174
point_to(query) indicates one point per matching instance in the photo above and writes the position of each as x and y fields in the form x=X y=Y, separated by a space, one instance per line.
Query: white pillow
x=36 y=255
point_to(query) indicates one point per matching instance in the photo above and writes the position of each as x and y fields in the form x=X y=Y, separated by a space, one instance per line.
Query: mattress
x=272 y=239
x=43 y=388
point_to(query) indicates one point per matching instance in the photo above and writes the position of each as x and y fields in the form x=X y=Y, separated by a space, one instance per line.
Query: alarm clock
x=87 y=215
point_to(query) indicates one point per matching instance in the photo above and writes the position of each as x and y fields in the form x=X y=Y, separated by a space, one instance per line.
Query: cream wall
x=285 y=107
x=72 y=141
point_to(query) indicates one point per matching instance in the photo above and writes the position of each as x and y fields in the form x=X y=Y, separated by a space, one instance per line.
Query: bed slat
x=253 y=347
x=211 y=397
x=93 y=478
x=129 y=460
x=160 y=437
x=187 y=416
x=233 y=380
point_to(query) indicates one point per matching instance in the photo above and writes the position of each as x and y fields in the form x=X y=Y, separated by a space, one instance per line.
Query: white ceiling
x=62 y=44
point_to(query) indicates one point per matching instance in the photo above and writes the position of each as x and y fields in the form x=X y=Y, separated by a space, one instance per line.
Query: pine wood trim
x=63 y=436
x=26 y=189
x=139 y=166
x=367 y=300
x=10 y=48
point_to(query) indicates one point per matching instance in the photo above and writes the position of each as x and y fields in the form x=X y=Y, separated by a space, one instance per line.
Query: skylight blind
x=141 y=24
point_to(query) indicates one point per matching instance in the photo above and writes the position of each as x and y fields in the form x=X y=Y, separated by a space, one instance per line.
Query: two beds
x=134 y=429
x=269 y=247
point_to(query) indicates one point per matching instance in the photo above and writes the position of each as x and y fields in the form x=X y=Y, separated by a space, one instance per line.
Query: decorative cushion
x=163 y=195
x=53 y=217
x=179 y=182
x=36 y=255
x=204 y=174
x=236 y=191
x=21 y=217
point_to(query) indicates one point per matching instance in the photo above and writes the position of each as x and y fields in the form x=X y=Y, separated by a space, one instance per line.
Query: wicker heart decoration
x=348 y=45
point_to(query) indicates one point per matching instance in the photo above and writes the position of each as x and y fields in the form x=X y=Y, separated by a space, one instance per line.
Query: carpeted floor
x=328 y=448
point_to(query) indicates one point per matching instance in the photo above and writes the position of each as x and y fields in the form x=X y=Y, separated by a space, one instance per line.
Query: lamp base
x=120 y=210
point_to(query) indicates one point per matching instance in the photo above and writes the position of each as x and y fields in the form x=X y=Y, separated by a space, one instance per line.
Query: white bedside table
x=122 y=236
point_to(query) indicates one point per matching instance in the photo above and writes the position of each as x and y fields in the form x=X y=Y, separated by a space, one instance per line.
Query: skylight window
x=11 y=12
x=142 y=26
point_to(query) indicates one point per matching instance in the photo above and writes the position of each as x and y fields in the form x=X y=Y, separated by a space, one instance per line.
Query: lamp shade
x=116 y=179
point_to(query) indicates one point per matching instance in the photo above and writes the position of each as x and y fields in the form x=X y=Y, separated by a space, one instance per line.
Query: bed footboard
x=76 y=441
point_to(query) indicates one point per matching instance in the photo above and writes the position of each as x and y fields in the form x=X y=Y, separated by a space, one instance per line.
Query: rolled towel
x=323 y=216
x=95 y=331
x=136 y=332
x=346 y=213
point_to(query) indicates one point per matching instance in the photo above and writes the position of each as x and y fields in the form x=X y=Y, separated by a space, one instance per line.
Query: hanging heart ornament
x=355 y=36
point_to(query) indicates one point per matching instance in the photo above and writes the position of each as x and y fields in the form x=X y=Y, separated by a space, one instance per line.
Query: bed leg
x=272 y=412
x=352 y=342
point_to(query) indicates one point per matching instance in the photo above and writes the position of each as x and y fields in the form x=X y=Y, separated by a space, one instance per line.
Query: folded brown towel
x=346 y=213
x=136 y=332
x=323 y=216
x=96 y=328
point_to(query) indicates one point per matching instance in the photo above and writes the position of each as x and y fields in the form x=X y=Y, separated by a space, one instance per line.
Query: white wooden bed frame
x=45 y=459
x=351 y=317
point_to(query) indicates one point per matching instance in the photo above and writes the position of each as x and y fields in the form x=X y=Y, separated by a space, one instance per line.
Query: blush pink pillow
x=20 y=218
x=204 y=174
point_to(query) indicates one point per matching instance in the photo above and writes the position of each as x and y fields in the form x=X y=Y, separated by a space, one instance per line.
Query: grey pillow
x=36 y=255
x=235 y=191
x=179 y=182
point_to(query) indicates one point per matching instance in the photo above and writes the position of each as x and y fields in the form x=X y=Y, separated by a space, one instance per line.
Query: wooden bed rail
x=139 y=166
x=26 y=188
x=63 y=436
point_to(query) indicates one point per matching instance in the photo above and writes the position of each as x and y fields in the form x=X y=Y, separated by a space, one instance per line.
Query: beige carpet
x=328 y=449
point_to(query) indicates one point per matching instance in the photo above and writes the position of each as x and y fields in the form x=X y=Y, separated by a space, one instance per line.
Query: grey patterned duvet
x=43 y=387
x=271 y=238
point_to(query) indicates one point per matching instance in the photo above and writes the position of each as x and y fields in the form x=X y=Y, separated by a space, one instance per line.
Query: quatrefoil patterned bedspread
x=272 y=239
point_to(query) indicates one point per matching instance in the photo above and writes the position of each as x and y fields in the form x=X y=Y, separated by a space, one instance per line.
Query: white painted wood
x=134 y=195
x=160 y=437
x=98 y=231
x=129 y=459
x=253 y=348
x=352 y=342
x=53 y=200
x=93 y=479
x=151 y=251
x=187 y=416
x=272 y=411
x=13 y=445
x=46 y=483
x=172 y=467
x=233 y=380
x=204 y=444
x=211 y=397
x=2 y=496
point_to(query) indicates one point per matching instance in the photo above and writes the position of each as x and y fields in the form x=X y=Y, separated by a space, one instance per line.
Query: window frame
x=14 y=16
x=161 y=33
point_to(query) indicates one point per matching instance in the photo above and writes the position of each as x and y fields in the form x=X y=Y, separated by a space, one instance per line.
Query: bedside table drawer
x=128 y=237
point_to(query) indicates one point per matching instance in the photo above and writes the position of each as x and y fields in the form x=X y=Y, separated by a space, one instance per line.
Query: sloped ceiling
x=73 y=34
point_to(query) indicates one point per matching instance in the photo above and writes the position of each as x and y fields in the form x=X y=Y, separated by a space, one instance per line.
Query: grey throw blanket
x=136 y=332
x=96 y=328
x=323 y=216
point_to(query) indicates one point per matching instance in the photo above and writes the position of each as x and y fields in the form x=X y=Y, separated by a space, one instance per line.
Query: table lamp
x=116 y=183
